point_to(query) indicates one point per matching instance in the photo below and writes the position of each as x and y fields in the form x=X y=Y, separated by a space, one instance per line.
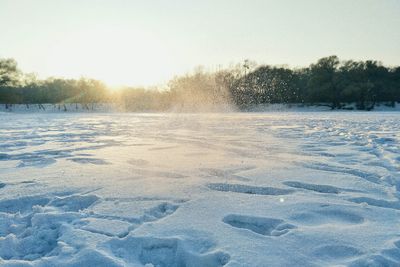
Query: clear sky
x=145 y=42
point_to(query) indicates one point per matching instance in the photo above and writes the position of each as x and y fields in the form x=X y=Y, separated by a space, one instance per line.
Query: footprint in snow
x=319 y=188
x=166 y=252
x=390 y=256
x=260 y=225
x=328 y=215
x=89 y=161
x=248 y=189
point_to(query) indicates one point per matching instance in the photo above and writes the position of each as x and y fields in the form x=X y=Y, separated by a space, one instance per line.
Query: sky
x=147 y=42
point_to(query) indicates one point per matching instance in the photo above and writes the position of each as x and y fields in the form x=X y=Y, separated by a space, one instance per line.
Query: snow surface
x=110 y=107
x=238 y=189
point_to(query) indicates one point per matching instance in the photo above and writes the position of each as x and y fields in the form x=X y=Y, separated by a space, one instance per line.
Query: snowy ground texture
x=240 y=189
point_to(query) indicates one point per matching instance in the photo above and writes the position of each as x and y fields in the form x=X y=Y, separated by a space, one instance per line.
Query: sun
x=115 y=57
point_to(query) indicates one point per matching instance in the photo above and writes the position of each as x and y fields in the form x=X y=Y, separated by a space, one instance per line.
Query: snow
x=232 y=189
x=114 y=107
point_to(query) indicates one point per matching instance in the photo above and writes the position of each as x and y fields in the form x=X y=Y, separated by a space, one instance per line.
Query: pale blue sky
x=147 y=42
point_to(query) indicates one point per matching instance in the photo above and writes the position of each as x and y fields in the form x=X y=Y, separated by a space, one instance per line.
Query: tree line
x=329 y=81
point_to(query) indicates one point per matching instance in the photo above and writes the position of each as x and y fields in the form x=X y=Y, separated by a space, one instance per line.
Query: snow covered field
x=239 y=189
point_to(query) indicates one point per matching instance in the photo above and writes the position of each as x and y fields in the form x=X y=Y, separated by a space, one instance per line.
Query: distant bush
x=329 y=80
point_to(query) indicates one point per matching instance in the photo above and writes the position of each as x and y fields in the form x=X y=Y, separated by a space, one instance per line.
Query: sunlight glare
x=112 y=56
